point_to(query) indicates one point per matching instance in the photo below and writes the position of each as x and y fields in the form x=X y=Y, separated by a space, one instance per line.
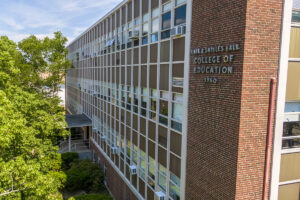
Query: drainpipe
x=269 y=142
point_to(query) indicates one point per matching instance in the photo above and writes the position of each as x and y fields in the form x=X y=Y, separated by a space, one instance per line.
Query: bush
x=92 y=197
x=84 y=175
x=68 y=158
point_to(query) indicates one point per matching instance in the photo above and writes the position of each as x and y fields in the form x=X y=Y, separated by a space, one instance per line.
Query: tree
x=44 y=62
x=31 y=120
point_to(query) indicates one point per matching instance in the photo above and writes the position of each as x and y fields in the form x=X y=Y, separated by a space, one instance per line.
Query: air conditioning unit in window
x=114 y=150
x=133 y=169
x=160 y=195
x=178 y=31
x=135 y=35
x=94 y=129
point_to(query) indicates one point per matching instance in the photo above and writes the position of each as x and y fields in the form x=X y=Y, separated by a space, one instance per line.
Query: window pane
x=166 y=20
x=179 y=2
x=165 y=34
x=177 y=111
x=155 y=13
x=145 y=40
x=155 y=25
x=162 y=181
x=296 y=16
x=291 y=129
x=165 y=51
x=145 y=17
x=296 y=4
x=167 y=7
x=145 y=29
x=289 y=168
x=154 y=37
x=293 y=82
x=294 y=43
x=290 y=192
x=180 y=15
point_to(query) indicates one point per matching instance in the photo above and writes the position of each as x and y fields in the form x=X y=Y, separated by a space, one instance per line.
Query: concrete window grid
x=88 y=84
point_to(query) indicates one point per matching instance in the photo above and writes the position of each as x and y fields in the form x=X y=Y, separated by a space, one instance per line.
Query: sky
x=21 y=18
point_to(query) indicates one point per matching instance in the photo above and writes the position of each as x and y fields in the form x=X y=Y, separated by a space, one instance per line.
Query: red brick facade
x=115 y=183
x=227 y=121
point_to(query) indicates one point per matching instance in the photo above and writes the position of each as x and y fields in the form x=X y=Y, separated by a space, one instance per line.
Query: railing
x=78 y=145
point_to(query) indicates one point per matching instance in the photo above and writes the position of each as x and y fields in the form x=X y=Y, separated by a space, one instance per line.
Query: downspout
x=269 y=142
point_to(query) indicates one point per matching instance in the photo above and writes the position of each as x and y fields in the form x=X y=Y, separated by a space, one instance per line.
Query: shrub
x=68 y=158
x=92 y=197
x=84 y=175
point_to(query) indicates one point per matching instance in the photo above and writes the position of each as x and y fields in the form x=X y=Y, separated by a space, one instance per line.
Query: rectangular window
x=296 y=16
x=155 y=25
x=294 y=43
x=180 y=15
x=291 y=135
x=293 y=82
x=166 y=20
x=290 y=192
x=166 y=7
x=145 y=29
x=154 y=37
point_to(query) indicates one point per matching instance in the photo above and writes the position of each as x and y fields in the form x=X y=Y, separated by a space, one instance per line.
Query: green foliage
x=31 y=121
x=84 y=175
x=44 y=63
x=92 y=197
x=68 y=158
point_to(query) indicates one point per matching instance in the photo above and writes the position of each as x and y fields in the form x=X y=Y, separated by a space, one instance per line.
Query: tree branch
x=9 y=192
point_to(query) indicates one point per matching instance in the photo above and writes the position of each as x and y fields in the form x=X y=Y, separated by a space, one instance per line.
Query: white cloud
x=19 y=19
x=17 y=37
x=79 y=5
x=12 y=23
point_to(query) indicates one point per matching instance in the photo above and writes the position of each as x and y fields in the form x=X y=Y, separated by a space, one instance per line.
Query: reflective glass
x=155 y=13
x=166 y=20
x=166 y=7
x=165 y=34
x=145 y=40
x=179 y=2
x=296 y=16
x=180 y=15
x=296 y=4
x=155 y=25
x=154 y=37
x=145 y=17
x=145 y=29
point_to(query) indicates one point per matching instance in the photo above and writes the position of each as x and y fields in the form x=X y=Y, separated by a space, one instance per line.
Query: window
x=291 y=135
x=166 y=21
x=155 y=25
x=296 y=8
x=145 y=28
x=180 y=15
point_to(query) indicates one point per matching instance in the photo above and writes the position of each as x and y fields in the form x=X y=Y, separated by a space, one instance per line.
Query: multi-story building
x=192 y=99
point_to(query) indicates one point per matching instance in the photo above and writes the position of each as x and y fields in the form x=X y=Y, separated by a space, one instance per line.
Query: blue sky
x=21 y=18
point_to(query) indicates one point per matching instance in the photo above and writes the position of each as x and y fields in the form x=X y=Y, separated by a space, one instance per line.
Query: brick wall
x=115 y=183
x=227 y=121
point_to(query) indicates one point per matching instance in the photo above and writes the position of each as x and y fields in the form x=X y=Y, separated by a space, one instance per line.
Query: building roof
x=78 y=121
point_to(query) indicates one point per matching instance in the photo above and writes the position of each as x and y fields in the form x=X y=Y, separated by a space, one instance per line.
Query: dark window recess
x=291 y=129
x=145 y=40
x=165 y=34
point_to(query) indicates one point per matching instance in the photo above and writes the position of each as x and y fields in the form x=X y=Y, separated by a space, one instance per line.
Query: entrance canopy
x=75 y=121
